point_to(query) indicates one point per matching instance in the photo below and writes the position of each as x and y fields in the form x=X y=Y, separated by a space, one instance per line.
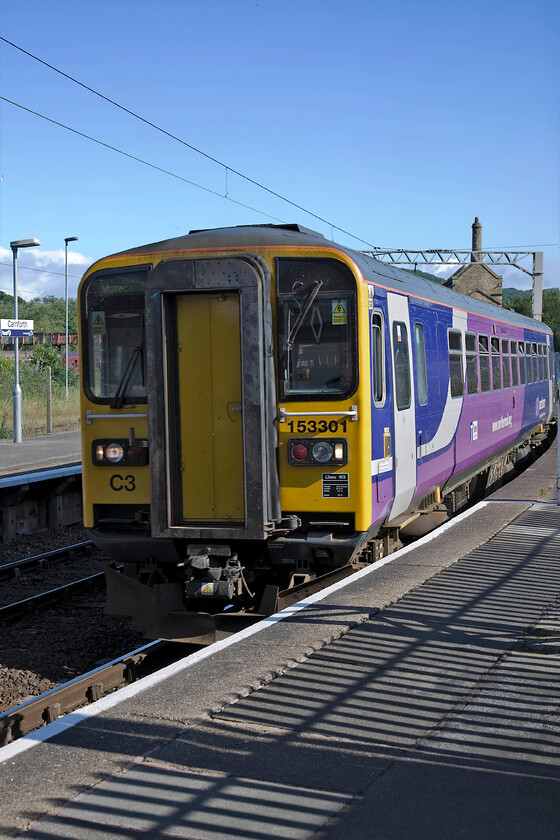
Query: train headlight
x=322 y=452
x=309 y=452
x=114 y=453
x=107 y=452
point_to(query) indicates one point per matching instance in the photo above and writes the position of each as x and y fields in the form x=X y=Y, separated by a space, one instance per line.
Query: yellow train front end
x=225 y=421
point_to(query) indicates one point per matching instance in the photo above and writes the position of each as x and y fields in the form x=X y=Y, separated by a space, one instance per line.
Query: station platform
x=418 y=699
x=40 y=452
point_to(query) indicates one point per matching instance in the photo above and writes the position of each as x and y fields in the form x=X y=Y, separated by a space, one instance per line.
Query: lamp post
x=18 y=243
x=66 y=241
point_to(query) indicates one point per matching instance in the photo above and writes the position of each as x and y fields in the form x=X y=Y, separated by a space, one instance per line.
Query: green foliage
x=33 y=381
x=6 y=364
x=509 y=293
x=45 y=355
x=426 y=275
x=522 y=303
x=48 y=313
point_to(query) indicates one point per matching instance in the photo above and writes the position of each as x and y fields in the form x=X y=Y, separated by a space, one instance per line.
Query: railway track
x=47 y=560
x=91 y=686
x=87 y=688
x=38 y=561
x=44 y=600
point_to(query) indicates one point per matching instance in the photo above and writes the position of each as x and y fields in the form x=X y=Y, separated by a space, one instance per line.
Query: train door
x=211 y=400
x=404 y=443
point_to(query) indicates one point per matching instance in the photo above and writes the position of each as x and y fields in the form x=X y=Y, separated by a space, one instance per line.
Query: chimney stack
x=476 y=240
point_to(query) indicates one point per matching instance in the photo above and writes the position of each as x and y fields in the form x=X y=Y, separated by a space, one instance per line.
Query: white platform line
x=128 y=691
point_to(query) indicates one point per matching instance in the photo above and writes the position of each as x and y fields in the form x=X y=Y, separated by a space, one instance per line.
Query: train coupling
x=212 y=571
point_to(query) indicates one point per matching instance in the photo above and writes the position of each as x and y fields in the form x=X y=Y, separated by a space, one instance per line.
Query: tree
x=522 y=303
x=47 y=313
x=45 y=355
x=551 y=313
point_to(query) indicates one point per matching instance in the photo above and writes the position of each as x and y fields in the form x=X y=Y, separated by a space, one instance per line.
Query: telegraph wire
x=184 y=143
x=43 y=270
x=139 y=160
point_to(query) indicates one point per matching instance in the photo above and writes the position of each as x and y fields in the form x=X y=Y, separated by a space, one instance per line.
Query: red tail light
x=300 y=452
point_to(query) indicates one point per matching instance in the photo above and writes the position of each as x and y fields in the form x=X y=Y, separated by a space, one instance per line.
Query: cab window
x=113 y=329
x=317 y=344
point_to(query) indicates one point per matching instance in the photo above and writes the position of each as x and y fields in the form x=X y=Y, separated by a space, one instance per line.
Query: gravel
x=51 y=647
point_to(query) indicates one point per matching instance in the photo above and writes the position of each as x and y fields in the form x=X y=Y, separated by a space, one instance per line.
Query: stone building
x=477 y=279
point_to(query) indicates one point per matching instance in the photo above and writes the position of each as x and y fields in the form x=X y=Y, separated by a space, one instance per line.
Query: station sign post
x=16 y=328
x=15 y=246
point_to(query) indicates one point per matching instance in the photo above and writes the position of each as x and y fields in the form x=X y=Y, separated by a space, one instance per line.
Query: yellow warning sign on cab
x=98 y=323
x=339 y=311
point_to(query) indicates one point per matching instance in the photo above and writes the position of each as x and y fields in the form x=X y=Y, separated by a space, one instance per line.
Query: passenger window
x=496 y=372
x=529 y=360
x=522 y=376
x=506 y=366
x=421 y=375
x=456 y=363
x=514 y=366
x=401 y=363
x=472 y=364
x=377 y=359
x=535 y=362
x=484 y=357
x=541 y=363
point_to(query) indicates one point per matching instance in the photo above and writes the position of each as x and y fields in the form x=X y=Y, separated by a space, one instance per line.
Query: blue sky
x=398 y=122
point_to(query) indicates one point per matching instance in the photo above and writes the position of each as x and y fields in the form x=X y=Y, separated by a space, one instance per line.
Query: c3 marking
x=119 y=482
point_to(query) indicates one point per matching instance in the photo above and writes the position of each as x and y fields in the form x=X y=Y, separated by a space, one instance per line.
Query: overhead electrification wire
x=184 y=143
x=42 y=270
x=139 y=160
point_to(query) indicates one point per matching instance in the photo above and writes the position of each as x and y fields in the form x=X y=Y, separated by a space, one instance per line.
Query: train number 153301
x=303 y=427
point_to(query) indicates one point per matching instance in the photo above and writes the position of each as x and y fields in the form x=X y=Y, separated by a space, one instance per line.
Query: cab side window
x=421 y=374
x=377 y=359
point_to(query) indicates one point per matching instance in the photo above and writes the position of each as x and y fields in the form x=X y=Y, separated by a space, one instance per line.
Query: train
x=56 y=339
x=261 y=406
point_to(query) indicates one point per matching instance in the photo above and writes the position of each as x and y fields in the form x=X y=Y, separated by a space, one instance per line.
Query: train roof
x=389 y=276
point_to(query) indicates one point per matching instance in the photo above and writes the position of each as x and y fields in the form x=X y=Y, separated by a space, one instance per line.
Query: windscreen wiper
x=120 y=393
x=308 y=303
